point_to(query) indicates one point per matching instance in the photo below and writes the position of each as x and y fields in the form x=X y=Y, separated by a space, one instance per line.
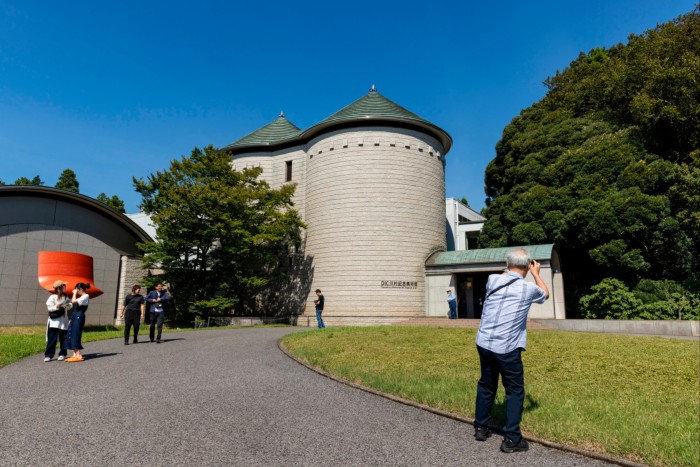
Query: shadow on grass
x=498 y=414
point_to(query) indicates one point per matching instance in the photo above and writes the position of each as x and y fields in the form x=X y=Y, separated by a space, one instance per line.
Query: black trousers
x=156 y=318
x=54 y=335
x=131 y=317
x=510 y=367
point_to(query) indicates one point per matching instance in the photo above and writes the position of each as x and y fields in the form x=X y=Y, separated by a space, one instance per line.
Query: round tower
x=375 y=207
x=371 y=189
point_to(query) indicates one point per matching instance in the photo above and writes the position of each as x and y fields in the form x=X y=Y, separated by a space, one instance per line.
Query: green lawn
x=17 y=342
x=632 y=397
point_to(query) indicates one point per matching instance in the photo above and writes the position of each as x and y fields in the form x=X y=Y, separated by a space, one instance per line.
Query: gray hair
x=519 y=258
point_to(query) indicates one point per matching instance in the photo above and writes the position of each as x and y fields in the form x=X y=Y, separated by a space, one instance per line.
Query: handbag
x=58 y=313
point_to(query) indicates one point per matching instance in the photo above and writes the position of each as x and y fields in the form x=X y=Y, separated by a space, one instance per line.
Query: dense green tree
x=36 y=181
x=114 y=202
x=220 y=232
x=607 y=165
x=68 y=181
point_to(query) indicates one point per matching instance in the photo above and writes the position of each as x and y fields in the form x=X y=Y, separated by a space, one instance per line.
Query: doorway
x=471 y=288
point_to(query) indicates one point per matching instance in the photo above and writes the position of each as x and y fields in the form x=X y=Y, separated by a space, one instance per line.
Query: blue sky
x=118 y=89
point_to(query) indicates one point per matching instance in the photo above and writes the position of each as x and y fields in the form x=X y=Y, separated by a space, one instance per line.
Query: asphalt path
x=225 y=397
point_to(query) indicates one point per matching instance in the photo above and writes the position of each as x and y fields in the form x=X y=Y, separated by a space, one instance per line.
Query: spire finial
x=373 y=89
x=281 y=113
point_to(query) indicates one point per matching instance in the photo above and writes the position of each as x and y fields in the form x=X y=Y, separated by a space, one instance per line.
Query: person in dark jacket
x=157 y=299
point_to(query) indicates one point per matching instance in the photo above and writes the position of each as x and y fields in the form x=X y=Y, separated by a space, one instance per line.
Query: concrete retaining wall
x=685 y=328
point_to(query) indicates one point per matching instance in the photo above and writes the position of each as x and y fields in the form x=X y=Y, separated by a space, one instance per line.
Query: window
x=288 y=176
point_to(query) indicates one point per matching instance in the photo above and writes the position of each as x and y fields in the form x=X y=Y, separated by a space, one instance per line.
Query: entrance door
x=480 y=280
x=471 y=288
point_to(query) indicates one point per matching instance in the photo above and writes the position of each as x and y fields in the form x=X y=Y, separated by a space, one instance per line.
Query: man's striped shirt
x=504 y=316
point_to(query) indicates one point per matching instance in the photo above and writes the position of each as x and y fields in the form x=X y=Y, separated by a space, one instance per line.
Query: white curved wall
x=274 y=166
x=375 y=202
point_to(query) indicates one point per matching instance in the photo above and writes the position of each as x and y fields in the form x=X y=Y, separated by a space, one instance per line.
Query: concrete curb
x=549 y=444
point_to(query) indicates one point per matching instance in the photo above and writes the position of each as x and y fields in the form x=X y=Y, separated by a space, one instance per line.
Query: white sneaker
x=47 y=359
x=61 y=358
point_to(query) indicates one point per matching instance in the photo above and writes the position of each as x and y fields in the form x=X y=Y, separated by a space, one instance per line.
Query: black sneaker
x=481 y=433
x=126 y=342
x=509 y=446
x=158 y=341
x=136 y=341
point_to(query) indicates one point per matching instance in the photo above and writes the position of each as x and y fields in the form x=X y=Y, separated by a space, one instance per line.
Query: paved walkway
x=226 y=397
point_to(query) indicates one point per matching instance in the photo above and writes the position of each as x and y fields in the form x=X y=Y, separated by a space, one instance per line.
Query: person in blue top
x=500 y=341
x=452 y=303
x=156 y=300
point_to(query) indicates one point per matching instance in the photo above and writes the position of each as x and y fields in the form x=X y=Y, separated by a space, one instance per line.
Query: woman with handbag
x=58 y=305
x=74 y=337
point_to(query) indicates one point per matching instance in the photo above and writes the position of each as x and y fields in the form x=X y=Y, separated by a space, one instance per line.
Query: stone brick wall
x=375 y=202
x=131 y=273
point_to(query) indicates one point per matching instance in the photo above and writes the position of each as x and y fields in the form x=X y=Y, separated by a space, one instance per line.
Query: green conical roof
x=373 y=105
x=274 y=132
x=370 y=109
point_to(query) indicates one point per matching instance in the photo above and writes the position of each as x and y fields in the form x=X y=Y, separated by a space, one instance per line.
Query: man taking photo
x=501 y=340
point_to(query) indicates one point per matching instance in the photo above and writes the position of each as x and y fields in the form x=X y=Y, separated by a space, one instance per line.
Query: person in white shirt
x=80 y=301
x=500 y=341
x=58 y=305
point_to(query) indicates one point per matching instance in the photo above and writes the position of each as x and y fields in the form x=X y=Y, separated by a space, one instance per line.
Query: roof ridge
x=278 y=130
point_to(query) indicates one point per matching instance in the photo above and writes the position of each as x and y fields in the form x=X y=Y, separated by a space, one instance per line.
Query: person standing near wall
x=135 y=309
x=74 y=337
x=500 y=342
x=157 y=299
x=319 y=308
x=58 y=305
x=452 y=303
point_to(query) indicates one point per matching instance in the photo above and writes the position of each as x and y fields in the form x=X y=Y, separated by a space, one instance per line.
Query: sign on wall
x=399 y=284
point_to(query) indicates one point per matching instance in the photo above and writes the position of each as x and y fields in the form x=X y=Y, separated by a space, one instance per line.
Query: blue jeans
x=319 y=320
x=74 y=335
x=453 y=309
x=510 y=367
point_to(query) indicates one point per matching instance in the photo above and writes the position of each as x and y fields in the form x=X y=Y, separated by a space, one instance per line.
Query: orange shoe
x=74 y=359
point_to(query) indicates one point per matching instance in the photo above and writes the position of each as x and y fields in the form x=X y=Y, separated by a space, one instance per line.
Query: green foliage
x=607 y=166
x=610 y=300
x=114 y=202
x=220 y=232
x=68 y=181
x=650 y=299
x=36 y=181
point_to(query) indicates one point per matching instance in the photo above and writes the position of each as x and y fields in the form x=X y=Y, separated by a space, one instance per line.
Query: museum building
x=382 y=242
x=371 y=189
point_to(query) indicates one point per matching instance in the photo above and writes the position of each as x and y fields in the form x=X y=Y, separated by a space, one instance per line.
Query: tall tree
x=114 y=202
x=220 y=232
x=36 y=181
x=607 y=165
x=68 y=181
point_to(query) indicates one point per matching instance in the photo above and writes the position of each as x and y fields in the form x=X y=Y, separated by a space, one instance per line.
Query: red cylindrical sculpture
x=69 y=267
